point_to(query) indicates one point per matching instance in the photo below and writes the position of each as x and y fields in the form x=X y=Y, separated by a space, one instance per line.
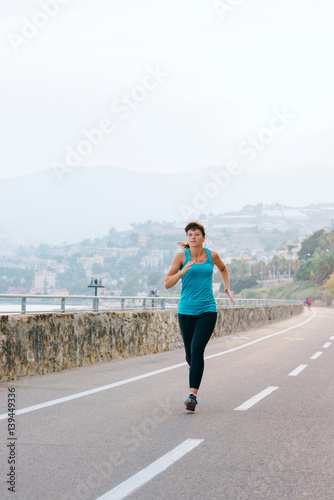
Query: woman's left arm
x=223 y=273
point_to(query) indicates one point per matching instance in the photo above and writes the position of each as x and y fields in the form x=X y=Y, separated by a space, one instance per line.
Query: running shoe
x=191 y=402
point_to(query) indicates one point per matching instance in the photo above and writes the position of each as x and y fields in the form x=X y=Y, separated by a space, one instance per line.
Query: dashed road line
x=316 y=355
x=144 y=476
x=255 y=399
x=325 y=346
x=297 y=371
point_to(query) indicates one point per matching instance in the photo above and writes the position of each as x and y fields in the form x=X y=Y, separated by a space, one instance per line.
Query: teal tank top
x=197 y=294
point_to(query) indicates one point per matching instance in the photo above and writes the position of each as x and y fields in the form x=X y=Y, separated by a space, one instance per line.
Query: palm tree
x=324 y=266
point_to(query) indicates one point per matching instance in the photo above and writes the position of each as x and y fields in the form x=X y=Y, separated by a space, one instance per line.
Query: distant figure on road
x=197 y=312
x=309 y=302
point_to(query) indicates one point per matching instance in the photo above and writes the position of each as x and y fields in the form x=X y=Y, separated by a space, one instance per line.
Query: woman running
x=197 y=312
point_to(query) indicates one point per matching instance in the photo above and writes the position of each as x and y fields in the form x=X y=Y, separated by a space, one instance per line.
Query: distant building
x=290 y=252
x=102 y=252
x=154 y=258
x=96 y=252
x=87 y=262
x=61 y=291
x=45 y=281
x=41 y=264
x=142 y=242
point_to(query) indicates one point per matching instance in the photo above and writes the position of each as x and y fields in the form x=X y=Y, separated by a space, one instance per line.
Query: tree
x=241 y=283
x=42 y=251
x=305 y=270
x=4 y=284
x=79 y=287
x=132 y=283
x=134 y=237
x=237 y=268
x=156 y=279
x=329 y=285
x=324 y=266
x=86 y=243
x=310 y=245
x=97 y=268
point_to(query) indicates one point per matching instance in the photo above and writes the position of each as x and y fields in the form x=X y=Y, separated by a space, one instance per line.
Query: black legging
x=196 y=332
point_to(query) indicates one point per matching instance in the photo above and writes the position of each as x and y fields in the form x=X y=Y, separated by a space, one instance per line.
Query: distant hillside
x=38 y=208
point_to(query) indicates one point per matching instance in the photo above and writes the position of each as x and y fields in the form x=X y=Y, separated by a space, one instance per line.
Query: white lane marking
x=247 y=338
x=144 y=476
x=260 y=340
x=331 y=338
x=316 y=355
x=296 y=372
x=325 y=346
x=255 y=399
x=28 y=409
x=64 y=399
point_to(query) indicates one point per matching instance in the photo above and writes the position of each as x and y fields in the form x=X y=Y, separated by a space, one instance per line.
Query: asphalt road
x=263 y=427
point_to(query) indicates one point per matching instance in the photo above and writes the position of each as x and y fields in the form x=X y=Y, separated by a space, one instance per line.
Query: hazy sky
x=176 y=84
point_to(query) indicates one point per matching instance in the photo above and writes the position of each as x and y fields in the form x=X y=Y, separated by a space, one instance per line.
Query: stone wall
x=34 y=344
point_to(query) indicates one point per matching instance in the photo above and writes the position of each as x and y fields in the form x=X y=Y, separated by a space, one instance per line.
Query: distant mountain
x=37 y=208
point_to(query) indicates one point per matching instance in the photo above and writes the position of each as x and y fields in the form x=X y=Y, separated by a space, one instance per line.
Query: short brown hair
x=192 y=225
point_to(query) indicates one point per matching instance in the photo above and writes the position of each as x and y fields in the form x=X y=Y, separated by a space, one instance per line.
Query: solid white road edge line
x=296 y=372
x=259 y=340
x=91 y=391
x=64 y=399
x=255 y=399
x=325 y=346
x=331 y=338
x=144 y=476
x=316 y=355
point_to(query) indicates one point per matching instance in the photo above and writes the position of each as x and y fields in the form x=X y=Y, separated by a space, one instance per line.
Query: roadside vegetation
x=313 y=273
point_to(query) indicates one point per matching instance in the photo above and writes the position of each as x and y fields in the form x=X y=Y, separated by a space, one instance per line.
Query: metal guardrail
x=132 y=302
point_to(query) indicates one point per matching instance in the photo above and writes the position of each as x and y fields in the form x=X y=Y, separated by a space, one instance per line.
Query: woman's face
x=195 y=238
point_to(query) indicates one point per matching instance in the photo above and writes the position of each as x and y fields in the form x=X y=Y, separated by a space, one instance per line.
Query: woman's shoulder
x=180 y=259
x=180 y=255
x=214 y=254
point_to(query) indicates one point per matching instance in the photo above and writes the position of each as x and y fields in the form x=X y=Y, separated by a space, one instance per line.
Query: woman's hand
x=228 y=292
x=175 y=273
x=187 y=267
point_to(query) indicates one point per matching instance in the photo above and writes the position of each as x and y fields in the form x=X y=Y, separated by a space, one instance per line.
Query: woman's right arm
x=174 y=273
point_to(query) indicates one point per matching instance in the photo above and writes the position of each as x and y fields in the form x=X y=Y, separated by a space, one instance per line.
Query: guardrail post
x=163 y=303
x=24 y=305
x=144 y=303
x=96 y=305
x=152 y=302
x=62 y=305
x=123 y=304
